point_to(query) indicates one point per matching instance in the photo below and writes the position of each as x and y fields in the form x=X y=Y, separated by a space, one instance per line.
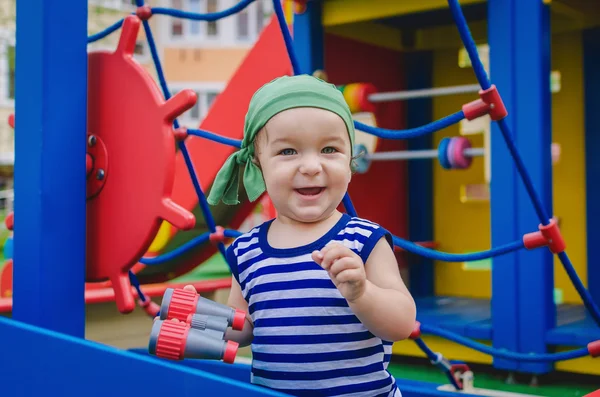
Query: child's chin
x=304 y=215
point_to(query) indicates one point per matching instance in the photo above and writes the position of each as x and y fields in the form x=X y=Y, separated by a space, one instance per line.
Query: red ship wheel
x=130 y=164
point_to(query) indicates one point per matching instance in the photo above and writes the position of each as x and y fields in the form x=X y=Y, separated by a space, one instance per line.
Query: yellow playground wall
x=465 y=227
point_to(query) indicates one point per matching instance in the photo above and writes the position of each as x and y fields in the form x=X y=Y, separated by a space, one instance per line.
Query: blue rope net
x=484 y=82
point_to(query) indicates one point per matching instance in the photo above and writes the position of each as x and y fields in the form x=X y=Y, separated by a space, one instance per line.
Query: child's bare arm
x=375 y=291
x=237 y=301
x=386 y=307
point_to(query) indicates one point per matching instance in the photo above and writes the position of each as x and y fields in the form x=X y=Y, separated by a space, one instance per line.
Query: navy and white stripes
x=307 y=341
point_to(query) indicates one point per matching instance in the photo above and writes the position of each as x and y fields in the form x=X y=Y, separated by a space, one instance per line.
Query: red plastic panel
x=129 y=116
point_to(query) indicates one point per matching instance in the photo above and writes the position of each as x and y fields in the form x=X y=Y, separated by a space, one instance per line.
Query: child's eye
x=287 y=152
x=329 y=150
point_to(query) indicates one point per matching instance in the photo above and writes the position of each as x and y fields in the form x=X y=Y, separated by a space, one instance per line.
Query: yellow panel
x=370 y=33
x=458 y=227
x=446 y=36
x=464 y=227
x=338 y=12
x=449 y=350
x=584 y=365
x=569 y=172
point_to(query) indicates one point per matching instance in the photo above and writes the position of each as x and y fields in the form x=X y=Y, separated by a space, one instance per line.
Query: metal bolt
x=100 y=174
x=92 y=140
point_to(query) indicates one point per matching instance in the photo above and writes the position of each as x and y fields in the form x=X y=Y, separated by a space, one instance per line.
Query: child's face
x=304 y=154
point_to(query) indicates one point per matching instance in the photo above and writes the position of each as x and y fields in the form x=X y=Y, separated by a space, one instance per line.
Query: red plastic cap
x=183 y=302
x=144 y=12
x=180 y=133
x=549 y=235
x=490 y=102
x=218 y=236
x=416 y=331
x=171 y=340
x=11 y=120
x=239 y=319
x=231 y=349
x=594 y=348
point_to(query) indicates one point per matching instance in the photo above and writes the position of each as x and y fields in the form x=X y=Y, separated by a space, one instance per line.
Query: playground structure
x=516 y=326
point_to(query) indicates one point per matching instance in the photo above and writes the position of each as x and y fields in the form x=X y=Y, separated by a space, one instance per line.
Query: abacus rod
x=417 y=154
x=423 y=93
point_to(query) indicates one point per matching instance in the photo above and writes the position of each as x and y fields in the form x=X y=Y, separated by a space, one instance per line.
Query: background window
x=210 y=98
x=260 y=16
x=176 y=23
x=242 y=24
x=211 y=27
x=194 y=25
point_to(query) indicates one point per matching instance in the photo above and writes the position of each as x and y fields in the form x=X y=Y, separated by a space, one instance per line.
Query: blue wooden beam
x=591 y=76
x=522 y=283
x=419 y=74
x=50 y=146
x=38 y=360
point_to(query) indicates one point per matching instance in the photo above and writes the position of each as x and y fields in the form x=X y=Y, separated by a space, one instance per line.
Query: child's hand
x=346 y=269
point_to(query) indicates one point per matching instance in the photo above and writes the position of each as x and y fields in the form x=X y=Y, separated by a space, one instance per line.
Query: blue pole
x=50 y=144
x=522 y=284
x=308 y=37
x=591 y=76
x=503 y=206
x=533 y=115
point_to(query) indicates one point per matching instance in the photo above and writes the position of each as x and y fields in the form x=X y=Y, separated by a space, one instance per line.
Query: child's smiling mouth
x=310 y=191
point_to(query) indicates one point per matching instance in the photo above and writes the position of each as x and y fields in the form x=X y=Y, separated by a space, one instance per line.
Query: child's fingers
x=334 y=253
x=189 y=287
x=341 y=265
x=349 y=275
x=317 y=256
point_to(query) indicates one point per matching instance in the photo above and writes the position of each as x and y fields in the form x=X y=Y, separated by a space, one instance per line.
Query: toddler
x=322 y=289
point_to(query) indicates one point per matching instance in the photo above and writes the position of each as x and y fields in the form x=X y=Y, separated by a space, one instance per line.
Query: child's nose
x=311 y=165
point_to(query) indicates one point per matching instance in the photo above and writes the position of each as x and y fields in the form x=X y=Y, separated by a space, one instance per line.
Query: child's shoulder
x=366 y=234
x=248 y=236
x=362 y=223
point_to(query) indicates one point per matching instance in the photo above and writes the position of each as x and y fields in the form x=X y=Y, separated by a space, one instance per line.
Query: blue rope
x=434 y=358
x=188 y=246
x=214 y=137
x=480 y=347
x=210 y=17
x=467 y=39
x=583 y=292
x=412 y=132
x=448 y=257
x=100 y=35
x=287 y=37
x=185 y=248
x=135 y=282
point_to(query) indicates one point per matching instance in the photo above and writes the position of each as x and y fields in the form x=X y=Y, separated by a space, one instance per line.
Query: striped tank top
x=307 y=341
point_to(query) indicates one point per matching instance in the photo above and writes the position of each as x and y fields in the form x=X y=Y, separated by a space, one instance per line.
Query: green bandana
x=274 y=97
